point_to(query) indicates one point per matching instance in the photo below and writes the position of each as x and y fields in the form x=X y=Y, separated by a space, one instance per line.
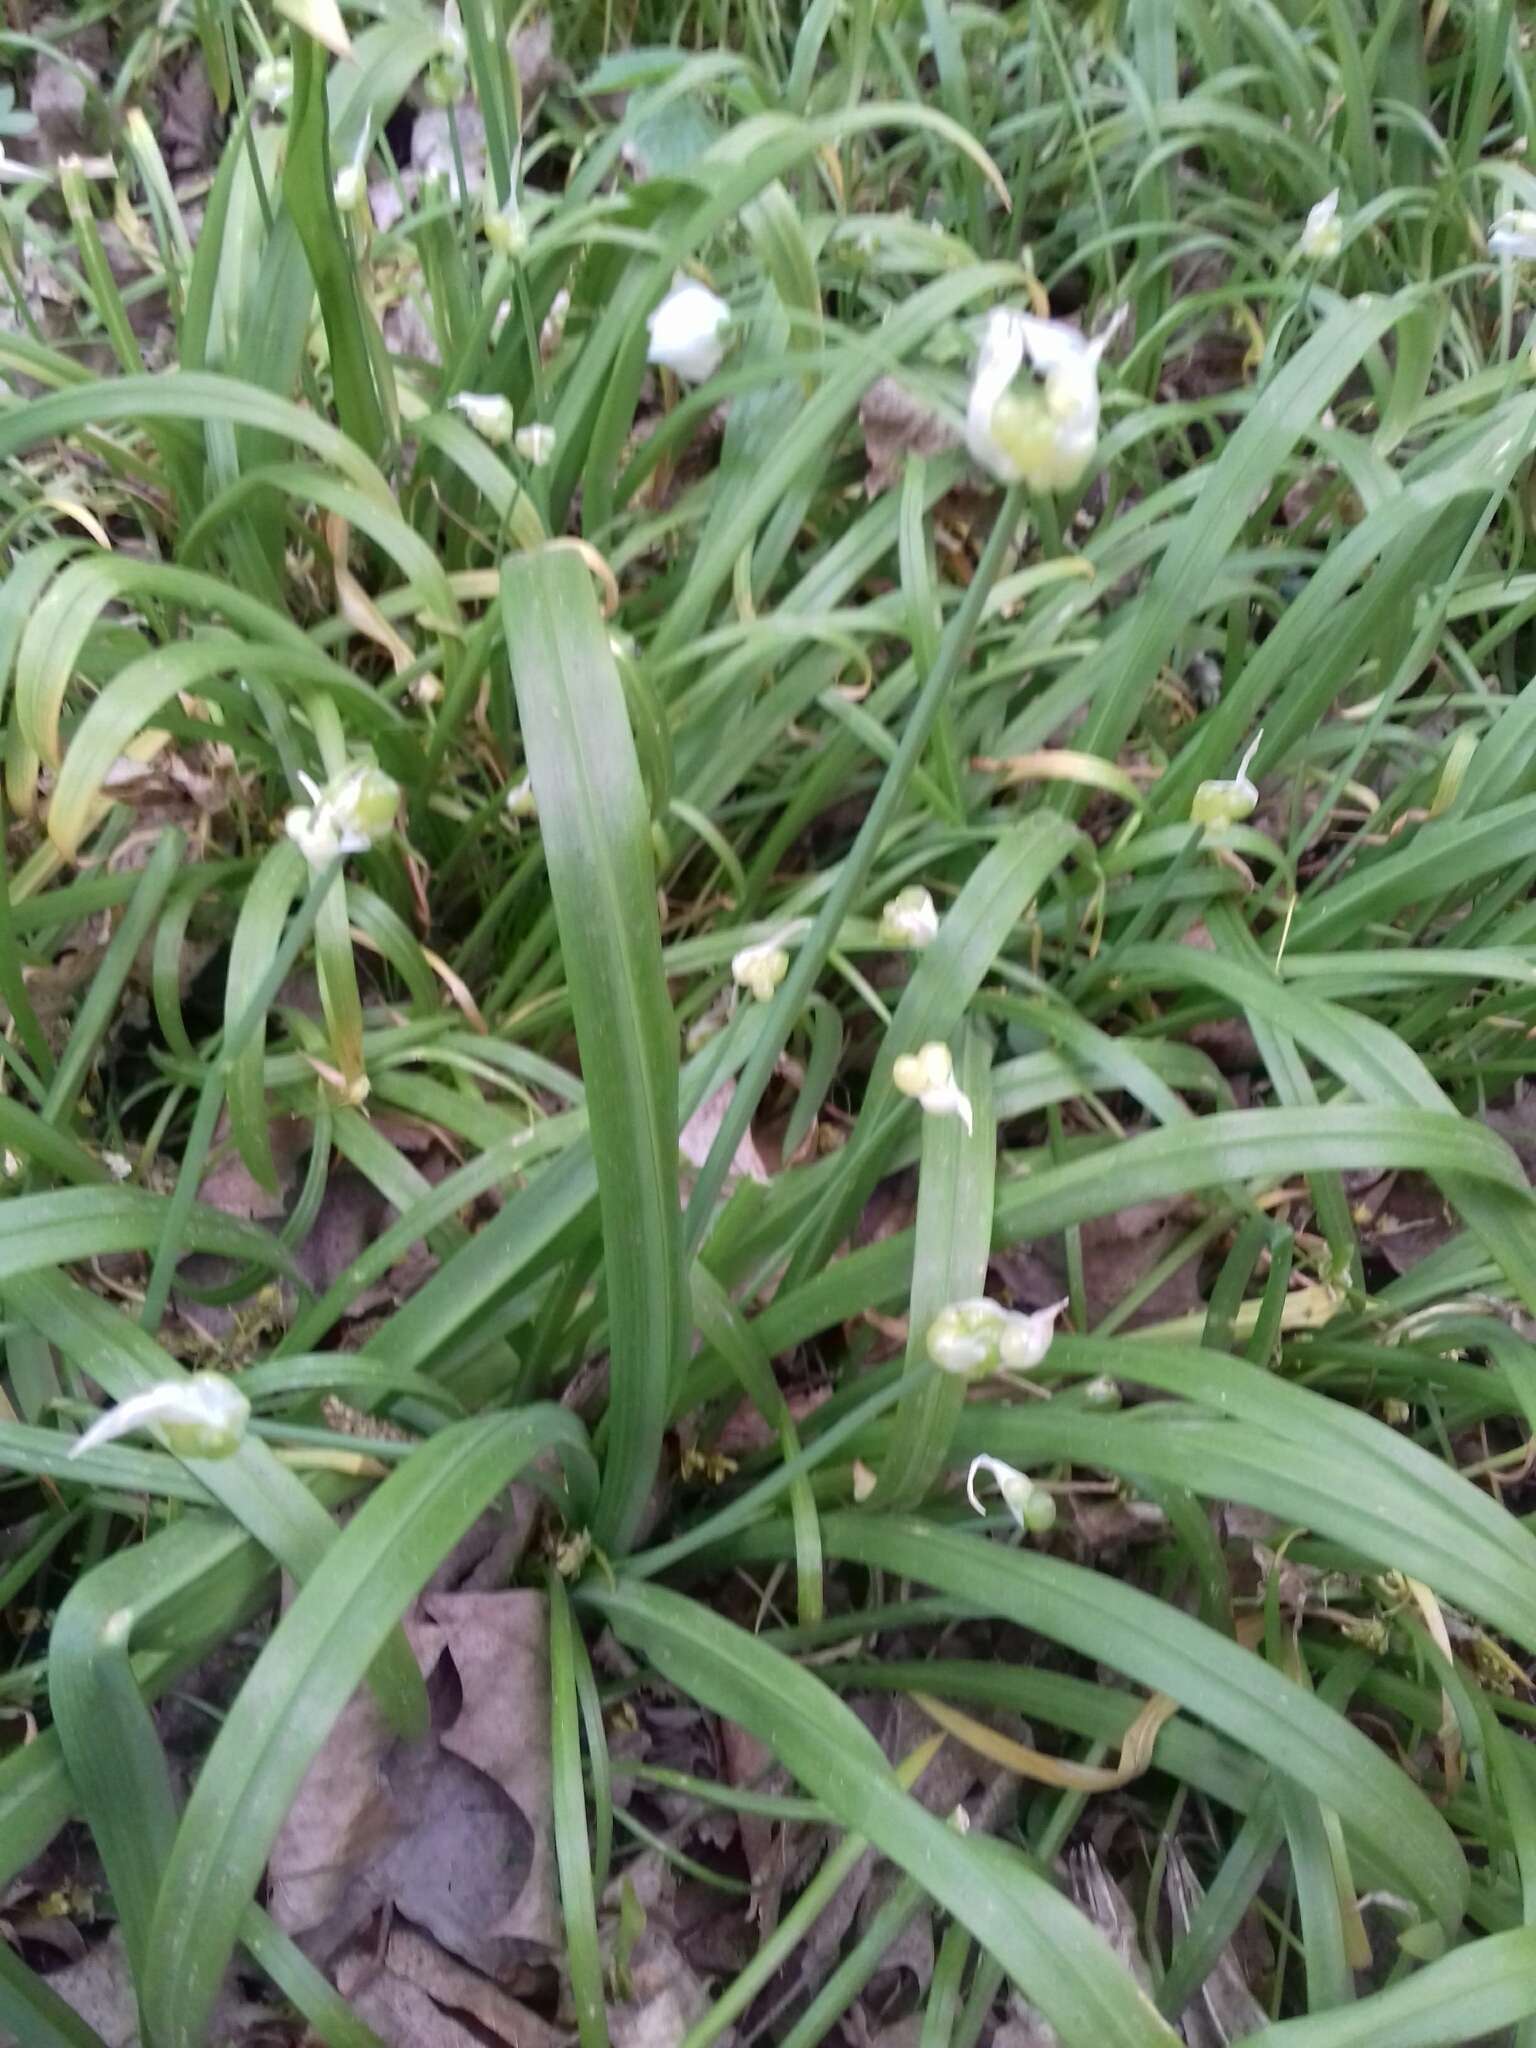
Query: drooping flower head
x=1322 y=235
x=687 y=331
x=928 y=1075
x=354 y=809
x=202 y=1416
x=979 y=1336
x=488 y=413
x=1042 y=433
x=1219 y=805
x=1030 y=1506
x=909 y=919
x=1512 y=237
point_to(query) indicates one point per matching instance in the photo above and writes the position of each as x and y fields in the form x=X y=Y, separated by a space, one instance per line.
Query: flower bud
x=202 y=1416
x=909 y=919
x=1025 y=1339
x=536 y=445
x=963 y=1338
x=1323 y=235
x=349 y=189
x=505 y=228
x=1030 y=1506
x=929 y=1076
x=1512 y=237
x=760 y=968
x=1102 y=1393
x=520 y=801
x=687 y=331
x=489 y=414
x=272 y=82
x=1218 y=805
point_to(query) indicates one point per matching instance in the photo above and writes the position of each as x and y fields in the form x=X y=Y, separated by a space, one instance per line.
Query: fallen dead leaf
x=895 y=424
x=1223 y=2010
x=421 y=1997
x=453 y=1834
x=698 y=1134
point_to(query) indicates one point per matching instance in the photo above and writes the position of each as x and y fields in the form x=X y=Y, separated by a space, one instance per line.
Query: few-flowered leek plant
x=489 y=414
x=1322 y=234
x=760 y=968
x=687 y=331
x=1030 y=1506
x=979 y=1336
x=203 y=1416
x=928 y=1075
x=1045 y=433
x=909 y=919
x=1219 y=805
x=1512 y=238
x=353 y=810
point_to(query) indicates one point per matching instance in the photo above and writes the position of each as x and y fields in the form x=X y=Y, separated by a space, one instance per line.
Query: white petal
x=1000 y=361
x=1052 y=344
x=686 y=331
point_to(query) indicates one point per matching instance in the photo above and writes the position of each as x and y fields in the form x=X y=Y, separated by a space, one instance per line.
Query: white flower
x=536 y=445
x=354 y=809
x=760 y=968
x=489 y=414
x=203 y=1416
x=909 y=919
x=687 y=331
x=118 y=1164
x=272 y=82
x=962 y=1338
x=1101 y=1393
x=349 y=188
x=1217 y=805
x=505 y=228
x=1030 y=1505
x=979 y=1335
x=520 y=800
x=1513 y=236
x=1323 y=235
x=1025 y=1339
x=929 y=1075
x=1044 y=435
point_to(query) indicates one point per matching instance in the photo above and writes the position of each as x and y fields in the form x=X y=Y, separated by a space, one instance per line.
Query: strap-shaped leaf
x=597 y=843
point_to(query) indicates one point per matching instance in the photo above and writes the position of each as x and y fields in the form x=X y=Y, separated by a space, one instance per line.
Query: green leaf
x=597 y=843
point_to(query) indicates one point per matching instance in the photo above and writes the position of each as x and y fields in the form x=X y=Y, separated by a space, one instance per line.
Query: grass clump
x=655 y=843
